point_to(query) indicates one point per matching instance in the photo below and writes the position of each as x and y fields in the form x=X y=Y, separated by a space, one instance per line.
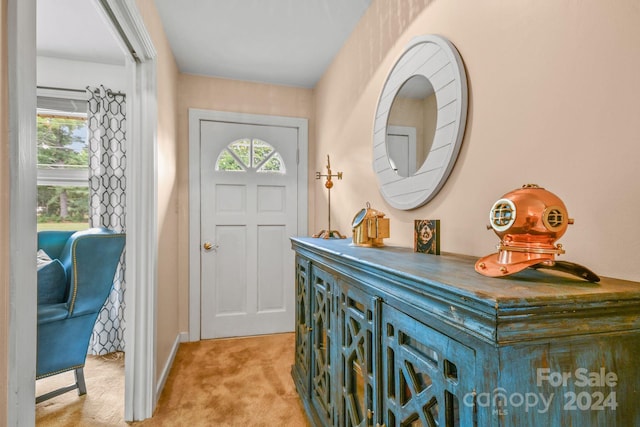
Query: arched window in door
x=250 y=154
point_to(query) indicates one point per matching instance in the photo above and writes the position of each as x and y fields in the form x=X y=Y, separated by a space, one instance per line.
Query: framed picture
x=426 y=236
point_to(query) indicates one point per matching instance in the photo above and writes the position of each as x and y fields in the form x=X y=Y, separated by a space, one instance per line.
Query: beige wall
x=232 y=96
x=167 y=293
x=553 y=100
x=4 y=215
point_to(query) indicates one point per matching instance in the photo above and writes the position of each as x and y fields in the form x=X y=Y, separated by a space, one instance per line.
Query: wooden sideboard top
x=502 y=309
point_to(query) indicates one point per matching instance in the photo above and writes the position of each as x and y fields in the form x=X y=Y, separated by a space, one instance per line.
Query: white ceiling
x=287 y=42
x=75 y=29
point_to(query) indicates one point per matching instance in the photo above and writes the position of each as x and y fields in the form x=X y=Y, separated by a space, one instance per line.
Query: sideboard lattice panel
x=321 y=375
x=429 y=376
x=356 y=358
x=302 y=314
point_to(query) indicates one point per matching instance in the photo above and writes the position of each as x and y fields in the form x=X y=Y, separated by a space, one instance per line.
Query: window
x=250 y=154
x=63 y=192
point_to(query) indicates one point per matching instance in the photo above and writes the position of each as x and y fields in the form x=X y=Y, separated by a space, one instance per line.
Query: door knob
x=209 y=246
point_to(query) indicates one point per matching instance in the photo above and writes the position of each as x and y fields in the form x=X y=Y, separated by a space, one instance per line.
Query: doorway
x=248 y=210
x=248 y=195
x=140 y=370
x=401 y=147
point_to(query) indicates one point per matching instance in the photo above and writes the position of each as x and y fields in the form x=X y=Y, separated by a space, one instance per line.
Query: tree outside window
x=63 y=199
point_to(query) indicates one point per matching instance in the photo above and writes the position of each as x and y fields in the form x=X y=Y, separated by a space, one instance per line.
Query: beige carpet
x=228 y=382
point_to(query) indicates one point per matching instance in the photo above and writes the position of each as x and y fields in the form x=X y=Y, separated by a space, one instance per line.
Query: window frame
x=250 y=166
x=59 y=177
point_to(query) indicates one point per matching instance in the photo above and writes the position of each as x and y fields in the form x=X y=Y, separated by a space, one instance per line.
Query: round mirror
x=411 y=125
x=419 y=122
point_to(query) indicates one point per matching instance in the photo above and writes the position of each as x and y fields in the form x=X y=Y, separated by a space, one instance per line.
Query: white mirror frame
x=437 y=59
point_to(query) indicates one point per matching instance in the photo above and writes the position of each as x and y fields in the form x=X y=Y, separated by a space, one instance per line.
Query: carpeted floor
x=103 y=405
x=227 y=382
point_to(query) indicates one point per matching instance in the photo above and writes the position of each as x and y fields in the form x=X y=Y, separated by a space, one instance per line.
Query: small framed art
x=426 y=236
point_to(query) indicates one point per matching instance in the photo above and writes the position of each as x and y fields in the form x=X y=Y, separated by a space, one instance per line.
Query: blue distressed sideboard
x=389 y=337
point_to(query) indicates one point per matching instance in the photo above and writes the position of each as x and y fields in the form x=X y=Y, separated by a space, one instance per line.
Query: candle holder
x=329 y=233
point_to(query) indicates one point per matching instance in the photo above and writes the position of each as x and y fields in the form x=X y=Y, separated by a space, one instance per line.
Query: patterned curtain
x=107 y=185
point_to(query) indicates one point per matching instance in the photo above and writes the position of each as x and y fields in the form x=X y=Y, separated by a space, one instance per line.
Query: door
x=302 y=360
x=323 y=367
x=430 y=376
x=357 y=318
x=248 y=190
x=401 y=147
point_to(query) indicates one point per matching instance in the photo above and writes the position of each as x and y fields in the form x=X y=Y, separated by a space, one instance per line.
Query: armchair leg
x=80 y=385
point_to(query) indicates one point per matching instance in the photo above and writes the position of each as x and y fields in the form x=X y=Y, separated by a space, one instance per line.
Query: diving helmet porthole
x=502 y=214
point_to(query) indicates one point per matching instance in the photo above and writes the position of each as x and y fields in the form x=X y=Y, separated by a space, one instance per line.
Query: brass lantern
x=528 y=222
x=369 y=227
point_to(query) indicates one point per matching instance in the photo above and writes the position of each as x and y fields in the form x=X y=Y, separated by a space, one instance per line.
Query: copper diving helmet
x=528 y=222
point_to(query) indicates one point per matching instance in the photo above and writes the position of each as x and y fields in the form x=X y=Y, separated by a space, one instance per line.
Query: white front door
x=248 y=188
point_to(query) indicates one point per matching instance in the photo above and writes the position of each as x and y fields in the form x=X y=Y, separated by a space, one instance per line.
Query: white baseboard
x=181 y=337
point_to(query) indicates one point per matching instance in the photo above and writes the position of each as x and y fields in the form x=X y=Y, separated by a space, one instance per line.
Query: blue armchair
x=69 y=300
